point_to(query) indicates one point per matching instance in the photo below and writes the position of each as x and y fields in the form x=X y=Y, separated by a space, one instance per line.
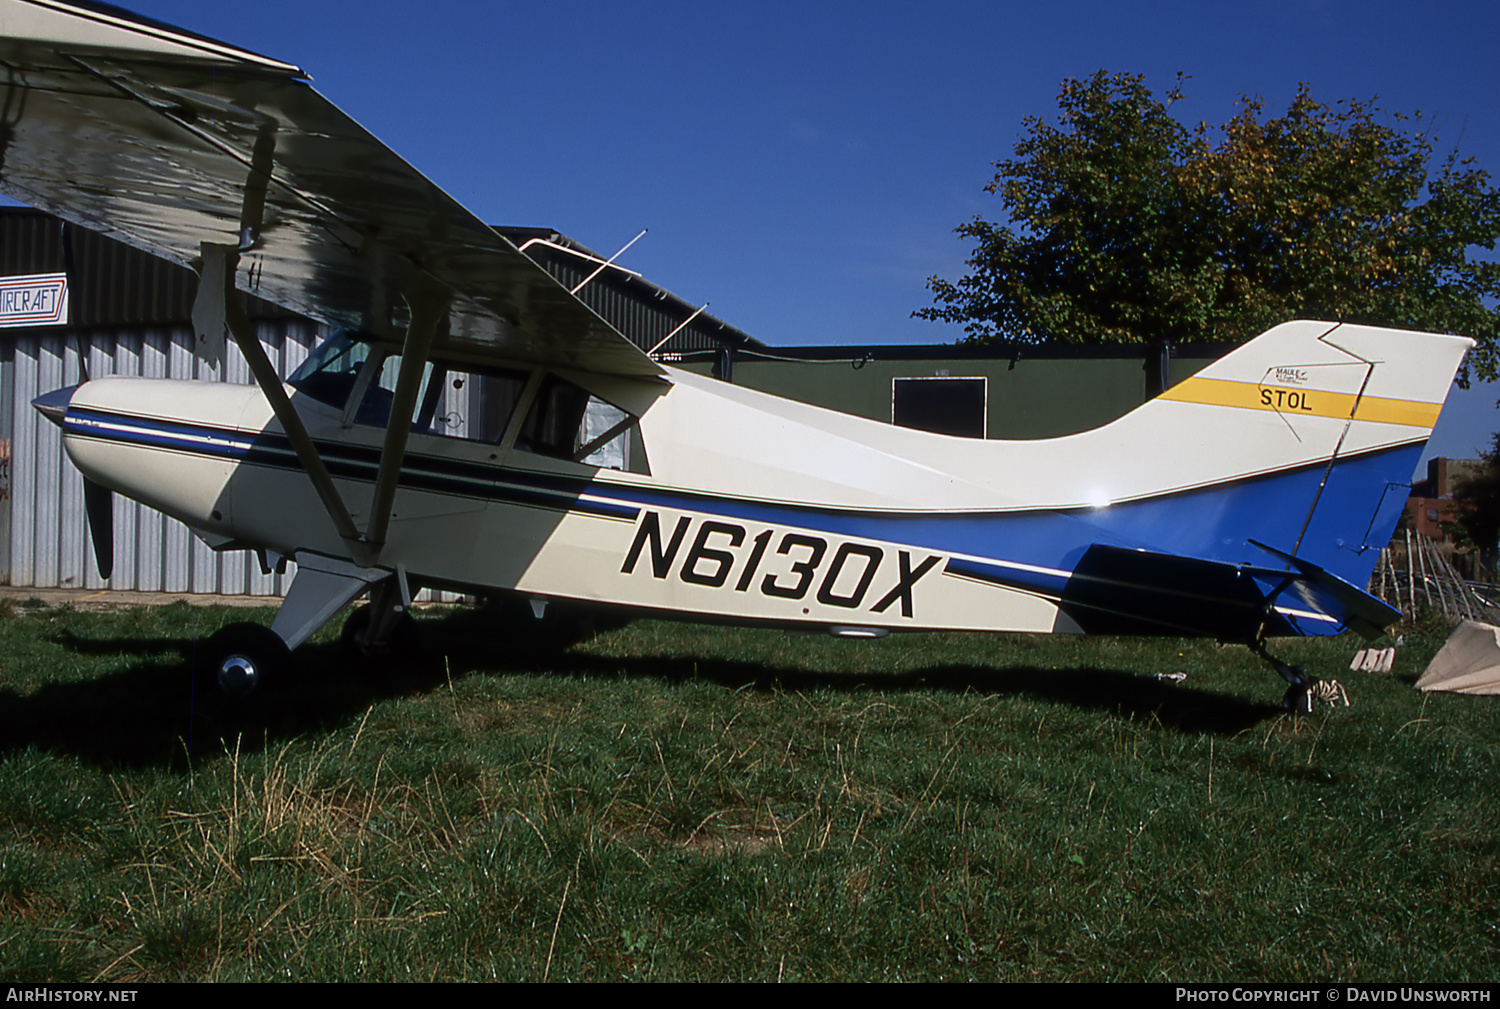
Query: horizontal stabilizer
x=1357 y=609
x=1114 y=590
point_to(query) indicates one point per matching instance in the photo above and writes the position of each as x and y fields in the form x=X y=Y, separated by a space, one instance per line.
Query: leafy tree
x=1124 y=225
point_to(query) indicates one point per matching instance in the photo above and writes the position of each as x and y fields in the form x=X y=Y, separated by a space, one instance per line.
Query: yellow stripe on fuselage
x=1303 y=402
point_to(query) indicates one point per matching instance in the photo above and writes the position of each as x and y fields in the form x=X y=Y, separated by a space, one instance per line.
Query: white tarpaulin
x=1469 y=663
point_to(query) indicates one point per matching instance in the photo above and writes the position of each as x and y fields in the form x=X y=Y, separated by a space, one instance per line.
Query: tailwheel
x=240 y=658
x=1298 y=699
x=1301 y=687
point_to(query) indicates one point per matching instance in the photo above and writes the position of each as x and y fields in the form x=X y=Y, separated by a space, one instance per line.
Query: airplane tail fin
x=1283 y=470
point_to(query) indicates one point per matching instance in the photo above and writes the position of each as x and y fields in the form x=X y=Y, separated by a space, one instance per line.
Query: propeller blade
x=99 y=504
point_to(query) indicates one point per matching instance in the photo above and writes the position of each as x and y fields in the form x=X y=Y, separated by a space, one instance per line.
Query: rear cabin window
x=567 y=422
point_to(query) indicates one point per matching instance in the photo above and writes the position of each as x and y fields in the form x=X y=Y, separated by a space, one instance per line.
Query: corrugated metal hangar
x=127 y=313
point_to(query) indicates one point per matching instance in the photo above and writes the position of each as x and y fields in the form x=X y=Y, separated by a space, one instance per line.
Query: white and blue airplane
x=1248 y=502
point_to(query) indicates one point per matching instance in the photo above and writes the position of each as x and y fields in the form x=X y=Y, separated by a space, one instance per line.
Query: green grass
x=667 y=802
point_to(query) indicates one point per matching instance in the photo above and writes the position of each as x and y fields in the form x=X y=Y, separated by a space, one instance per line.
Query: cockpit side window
x=472 y=404
x=375 y=408
x=453 y=401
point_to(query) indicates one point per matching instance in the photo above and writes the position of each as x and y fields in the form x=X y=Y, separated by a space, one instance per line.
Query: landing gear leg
x=1299 y=692
x=383 y=627
x=313 y=600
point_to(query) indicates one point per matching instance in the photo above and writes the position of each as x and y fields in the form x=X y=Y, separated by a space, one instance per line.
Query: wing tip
x=112 y=19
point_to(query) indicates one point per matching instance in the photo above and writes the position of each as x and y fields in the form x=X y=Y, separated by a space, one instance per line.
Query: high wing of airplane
x=1247 y=502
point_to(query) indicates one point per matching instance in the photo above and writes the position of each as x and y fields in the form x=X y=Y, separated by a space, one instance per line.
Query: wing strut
x=243 y=332
x=427 y=311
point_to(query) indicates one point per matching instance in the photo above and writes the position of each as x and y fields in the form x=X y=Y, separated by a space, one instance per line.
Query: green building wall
x=1031 y=392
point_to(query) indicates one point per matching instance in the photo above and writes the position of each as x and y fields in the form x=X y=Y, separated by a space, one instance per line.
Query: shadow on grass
x=159 y=714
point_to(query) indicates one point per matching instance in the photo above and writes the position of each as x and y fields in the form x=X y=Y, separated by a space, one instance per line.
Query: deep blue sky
x=802 y=166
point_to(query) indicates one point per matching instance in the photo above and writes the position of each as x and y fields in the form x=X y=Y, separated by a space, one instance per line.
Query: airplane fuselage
x=746 y=506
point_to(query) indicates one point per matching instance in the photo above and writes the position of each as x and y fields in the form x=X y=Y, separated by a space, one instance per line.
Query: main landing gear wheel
x=240 y=658
x=400 y=637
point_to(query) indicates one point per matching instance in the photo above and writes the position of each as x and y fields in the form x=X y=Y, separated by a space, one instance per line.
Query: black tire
x=403 y=639
x=240 y=659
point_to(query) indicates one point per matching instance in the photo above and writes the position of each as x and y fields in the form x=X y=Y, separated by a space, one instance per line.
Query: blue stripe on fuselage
x=1355 y=516
x=1356 y=510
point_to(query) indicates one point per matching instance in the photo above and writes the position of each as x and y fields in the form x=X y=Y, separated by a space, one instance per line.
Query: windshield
x=329 y=373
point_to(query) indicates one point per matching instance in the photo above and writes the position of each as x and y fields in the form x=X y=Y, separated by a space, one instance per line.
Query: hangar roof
x=113 y=284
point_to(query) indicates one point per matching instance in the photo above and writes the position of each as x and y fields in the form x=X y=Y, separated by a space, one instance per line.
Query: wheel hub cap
x=238 y=676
